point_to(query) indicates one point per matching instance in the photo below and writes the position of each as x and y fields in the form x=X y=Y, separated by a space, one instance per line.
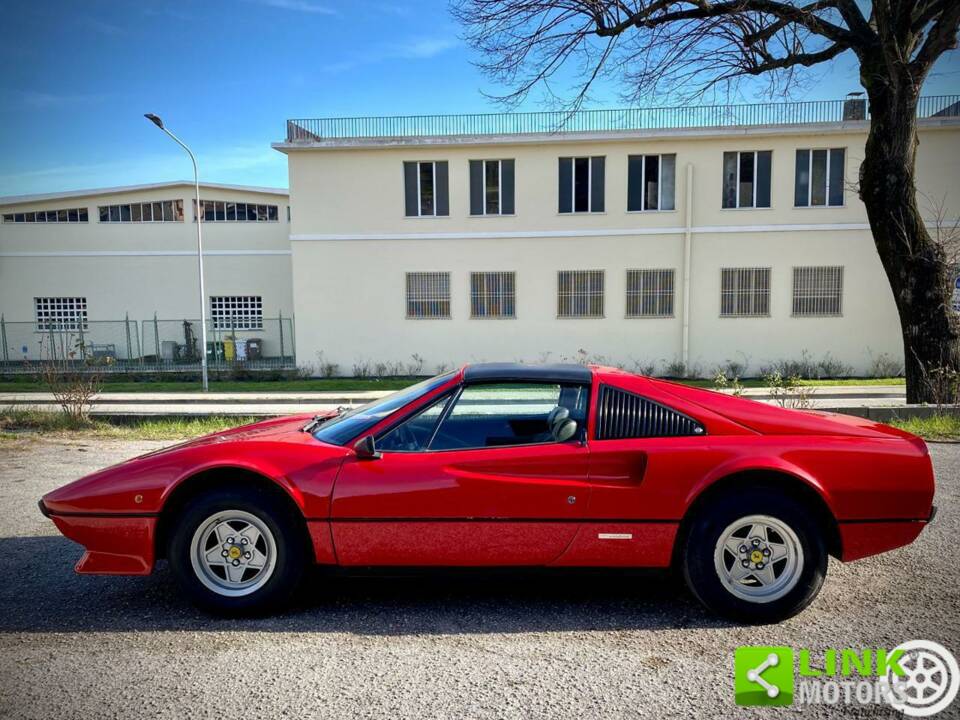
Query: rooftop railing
x=311 y=130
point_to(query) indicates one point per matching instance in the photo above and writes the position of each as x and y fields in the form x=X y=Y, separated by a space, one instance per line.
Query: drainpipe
x=687 y=248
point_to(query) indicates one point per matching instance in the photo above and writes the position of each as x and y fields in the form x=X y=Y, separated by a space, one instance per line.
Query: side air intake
x=622 y=414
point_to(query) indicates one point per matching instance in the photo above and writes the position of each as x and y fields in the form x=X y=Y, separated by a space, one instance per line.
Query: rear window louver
x=622 y=414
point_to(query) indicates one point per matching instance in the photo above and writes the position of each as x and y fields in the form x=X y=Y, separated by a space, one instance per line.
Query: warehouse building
x=115 y=270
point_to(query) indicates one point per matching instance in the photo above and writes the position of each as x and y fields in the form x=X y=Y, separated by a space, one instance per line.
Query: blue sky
x=225 y=74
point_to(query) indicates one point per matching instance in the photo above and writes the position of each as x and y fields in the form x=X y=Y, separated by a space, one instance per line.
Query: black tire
x=291 y=550
x=700 y=543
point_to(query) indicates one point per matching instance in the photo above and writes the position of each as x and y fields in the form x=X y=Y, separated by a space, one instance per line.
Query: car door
x=476 y=478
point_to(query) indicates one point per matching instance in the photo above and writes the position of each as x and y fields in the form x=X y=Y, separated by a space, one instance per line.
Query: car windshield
x=342 y=429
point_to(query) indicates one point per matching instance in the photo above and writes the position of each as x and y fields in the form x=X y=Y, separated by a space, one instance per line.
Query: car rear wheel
x=237 y=551
x=757 y=556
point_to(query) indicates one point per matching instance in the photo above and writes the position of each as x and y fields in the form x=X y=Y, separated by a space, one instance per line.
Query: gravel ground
x=440 y=645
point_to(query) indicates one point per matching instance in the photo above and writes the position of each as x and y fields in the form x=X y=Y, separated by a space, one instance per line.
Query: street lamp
x=203 y=298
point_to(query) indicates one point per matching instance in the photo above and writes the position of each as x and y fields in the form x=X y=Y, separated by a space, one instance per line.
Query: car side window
x=504 y=414
x=413 y=434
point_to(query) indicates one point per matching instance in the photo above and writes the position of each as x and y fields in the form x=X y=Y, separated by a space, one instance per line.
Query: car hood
x=770 y=419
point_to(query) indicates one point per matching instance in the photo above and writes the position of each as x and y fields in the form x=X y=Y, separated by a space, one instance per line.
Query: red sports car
x=506 y=464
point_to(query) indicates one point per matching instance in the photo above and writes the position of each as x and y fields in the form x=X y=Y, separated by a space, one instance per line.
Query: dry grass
x=17 y=422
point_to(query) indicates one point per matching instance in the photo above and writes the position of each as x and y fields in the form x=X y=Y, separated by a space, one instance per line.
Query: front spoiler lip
x=43 y=508
x=933 y=514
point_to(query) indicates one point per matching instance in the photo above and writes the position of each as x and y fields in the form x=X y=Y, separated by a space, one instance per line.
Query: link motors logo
x=919 y=678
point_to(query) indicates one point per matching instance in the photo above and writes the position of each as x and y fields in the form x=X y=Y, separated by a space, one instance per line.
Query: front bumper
x=114 y=544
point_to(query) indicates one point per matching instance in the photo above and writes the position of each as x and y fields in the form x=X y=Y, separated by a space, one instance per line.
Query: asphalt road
x=442 y=645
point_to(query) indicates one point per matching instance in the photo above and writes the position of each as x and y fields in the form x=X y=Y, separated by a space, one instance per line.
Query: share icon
x=754 y=675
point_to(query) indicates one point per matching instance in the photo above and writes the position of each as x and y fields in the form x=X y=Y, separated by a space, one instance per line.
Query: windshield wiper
x=319 y=420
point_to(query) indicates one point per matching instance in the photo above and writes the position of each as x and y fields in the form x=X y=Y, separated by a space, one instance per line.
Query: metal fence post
x=280 y=321
x=293 y=340
x=156 y=341
x=126 y=328
x=3 y=339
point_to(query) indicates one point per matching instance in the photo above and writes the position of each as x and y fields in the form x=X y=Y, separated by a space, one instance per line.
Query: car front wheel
x=237 y=551
x=757 y=556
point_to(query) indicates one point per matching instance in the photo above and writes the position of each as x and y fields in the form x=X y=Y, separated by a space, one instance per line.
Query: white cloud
x=416 y=49
x=254 y=164
x=304 y=6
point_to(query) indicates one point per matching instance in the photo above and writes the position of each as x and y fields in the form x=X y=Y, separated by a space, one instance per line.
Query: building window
x=581 y=184
x=746 y=179
x=61 y=313
x=650 y=182
x=819 y=178
x=493 y=295
x=745 y=292
x=491 y=187
x=580 y=294
x=161 y=211
x=236 y=312
x=226 y=211
x=817 y=291
x=650 y=293
x=428 y=295
x=426 y=189
x=68 y=215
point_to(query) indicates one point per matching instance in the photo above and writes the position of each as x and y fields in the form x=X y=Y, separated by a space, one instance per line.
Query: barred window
x=227 y=211
x=67 y=215
x=817 y=291
x=61 y=313
x=650 y=293
x=493 y=295
x=428 y=295
x=236 y=312
x=745 y=292
x=580 y=294
x=161 y=211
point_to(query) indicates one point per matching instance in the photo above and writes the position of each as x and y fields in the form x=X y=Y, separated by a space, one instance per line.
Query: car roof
x=558 y=373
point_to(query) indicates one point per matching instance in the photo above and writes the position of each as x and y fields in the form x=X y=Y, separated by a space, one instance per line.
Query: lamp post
x=203 y=297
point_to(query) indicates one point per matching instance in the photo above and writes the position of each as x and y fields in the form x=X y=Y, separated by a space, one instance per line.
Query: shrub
x=327 y=369
x=884 y=365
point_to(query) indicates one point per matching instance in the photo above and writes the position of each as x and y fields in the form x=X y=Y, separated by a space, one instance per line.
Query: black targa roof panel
x=558 y=373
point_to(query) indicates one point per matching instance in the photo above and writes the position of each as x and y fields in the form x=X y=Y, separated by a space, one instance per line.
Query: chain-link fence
x=154 y=345
x=175 y=344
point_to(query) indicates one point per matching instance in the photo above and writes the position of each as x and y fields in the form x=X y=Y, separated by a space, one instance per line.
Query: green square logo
x=763 y=675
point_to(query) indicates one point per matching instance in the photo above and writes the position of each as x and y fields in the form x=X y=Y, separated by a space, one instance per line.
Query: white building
x=722 y=235
x=681 y=240
x=104 y=264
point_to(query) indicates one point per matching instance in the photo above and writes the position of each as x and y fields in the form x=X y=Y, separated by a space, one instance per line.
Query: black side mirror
x=366 y=449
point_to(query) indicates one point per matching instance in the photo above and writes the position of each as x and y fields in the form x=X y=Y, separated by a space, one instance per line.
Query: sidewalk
x=266 y=404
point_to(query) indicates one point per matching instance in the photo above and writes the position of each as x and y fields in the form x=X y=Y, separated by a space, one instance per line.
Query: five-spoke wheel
x=755 y=555
x=238 y=550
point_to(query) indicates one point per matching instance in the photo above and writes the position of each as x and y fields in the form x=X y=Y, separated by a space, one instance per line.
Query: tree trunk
x=916 y=264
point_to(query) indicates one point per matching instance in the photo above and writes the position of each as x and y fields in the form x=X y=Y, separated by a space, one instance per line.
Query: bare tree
x=691 y=46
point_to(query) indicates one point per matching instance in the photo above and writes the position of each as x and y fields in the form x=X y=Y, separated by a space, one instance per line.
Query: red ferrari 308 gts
x=505 y=464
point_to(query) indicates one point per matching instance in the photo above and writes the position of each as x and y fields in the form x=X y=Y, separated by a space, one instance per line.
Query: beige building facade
x=679 y=249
